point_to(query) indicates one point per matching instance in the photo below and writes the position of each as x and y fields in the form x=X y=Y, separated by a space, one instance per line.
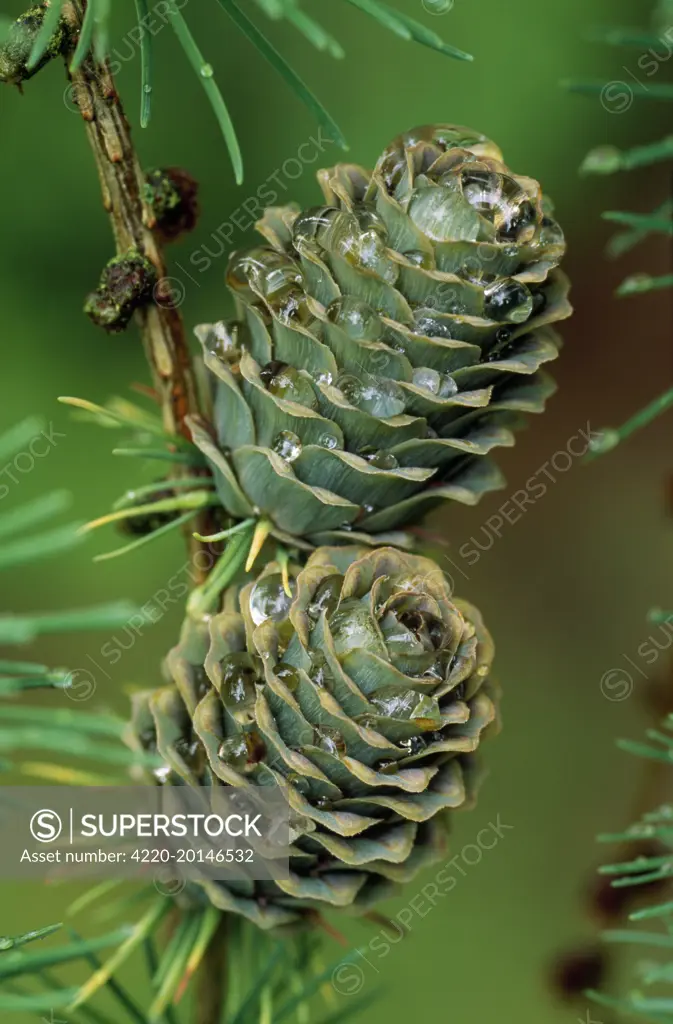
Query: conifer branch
x=160 y=324
x=122 y=184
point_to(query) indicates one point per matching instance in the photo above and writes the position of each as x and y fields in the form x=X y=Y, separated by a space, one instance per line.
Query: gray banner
x=188 y=833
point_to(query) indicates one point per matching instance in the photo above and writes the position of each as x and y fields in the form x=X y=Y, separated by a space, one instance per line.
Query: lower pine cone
x=359 y=685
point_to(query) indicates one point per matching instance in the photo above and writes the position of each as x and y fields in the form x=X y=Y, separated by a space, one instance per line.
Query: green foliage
x=647 y=1000
x=95 y=35
x=89 y=749
x=179 y=500
x=605 y=160
x=22 y=544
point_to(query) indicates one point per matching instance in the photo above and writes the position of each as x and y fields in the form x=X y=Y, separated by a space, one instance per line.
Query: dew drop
x=378 y=396
x=426 y=378
x=551 y=232
x=483 y=191
x=323 y=377
x=499 y=199
x=356 y=318
x=326 y=597
x=430 y=326
x=440 y=384
x=319 y=672
x=271 y=370
x=268 y=599
x=379 y=458
x=369 y=219
x=508 y=300
x=288 y=675
x=275 y=277
x=288 y=383
x=448 y=387
x=207 y=71
x=287 y=445
x=234 y=752
x=328 y=440
x=331 y=741
x=394 y=704
x=420 y=259
x=243 y=752
x=311 y=228
x=299 y=782
x=353 y=628
x=187 y=749
x=221 y=339
x=518 y=219
x=239 y=676
x=414 y=745
x=202 y=683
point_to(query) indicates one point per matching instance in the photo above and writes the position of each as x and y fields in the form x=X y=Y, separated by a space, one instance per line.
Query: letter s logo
x=46 y=826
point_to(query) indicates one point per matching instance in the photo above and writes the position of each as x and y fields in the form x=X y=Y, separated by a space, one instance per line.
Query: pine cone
x=388 y=341
x=363 y=695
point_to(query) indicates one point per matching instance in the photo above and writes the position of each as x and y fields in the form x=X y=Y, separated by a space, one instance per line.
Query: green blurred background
x=565 y=590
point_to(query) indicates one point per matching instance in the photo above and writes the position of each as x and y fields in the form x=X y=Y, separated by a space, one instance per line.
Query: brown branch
x=122 y=181
x=122 y=186
x=162 y=331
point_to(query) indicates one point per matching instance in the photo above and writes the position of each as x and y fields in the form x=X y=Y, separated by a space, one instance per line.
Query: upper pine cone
x=387 y=341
